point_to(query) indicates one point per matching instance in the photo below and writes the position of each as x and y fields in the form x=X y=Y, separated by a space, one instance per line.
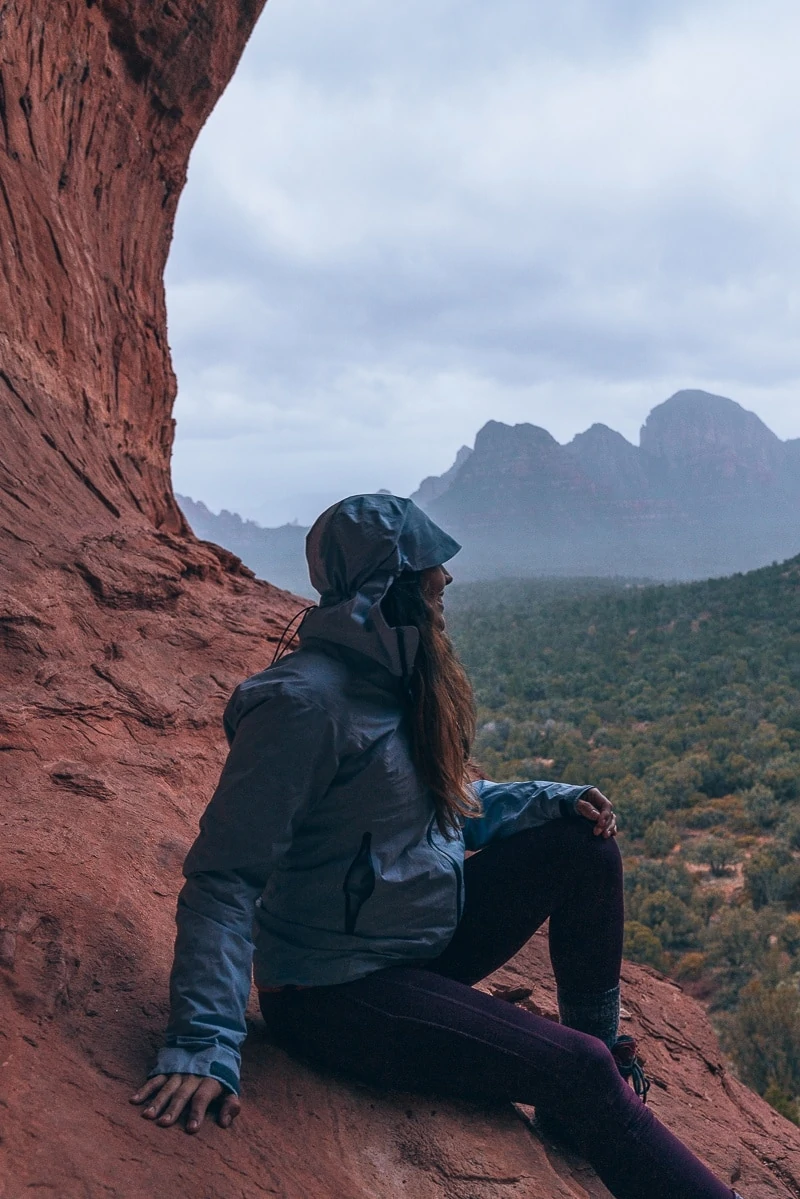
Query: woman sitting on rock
x=334 y=845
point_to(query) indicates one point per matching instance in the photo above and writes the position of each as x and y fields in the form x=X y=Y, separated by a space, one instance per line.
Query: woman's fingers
x=596 y=807
x=208 y=1090
x=229 y=1110
x=605 y=821
x=179 y=1100
x=150 y=1087
x=607 y=824
x=162 y=1097
x=168 y=1094
x=610 y=829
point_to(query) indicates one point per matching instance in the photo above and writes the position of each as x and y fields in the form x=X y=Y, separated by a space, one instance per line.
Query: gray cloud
x=402 y=221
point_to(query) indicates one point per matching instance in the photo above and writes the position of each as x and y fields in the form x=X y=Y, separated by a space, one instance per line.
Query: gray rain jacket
x=319 y=849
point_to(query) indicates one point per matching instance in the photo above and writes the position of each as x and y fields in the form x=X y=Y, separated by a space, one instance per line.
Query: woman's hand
x=170 y=1093
x=594 y=806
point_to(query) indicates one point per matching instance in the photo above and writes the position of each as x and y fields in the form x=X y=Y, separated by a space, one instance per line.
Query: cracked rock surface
x=121 y=637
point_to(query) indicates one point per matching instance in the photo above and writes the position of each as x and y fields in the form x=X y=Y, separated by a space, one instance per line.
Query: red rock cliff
x=120 y=639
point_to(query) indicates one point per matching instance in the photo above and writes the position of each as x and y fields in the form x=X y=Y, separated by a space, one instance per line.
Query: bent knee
x=599 y=852
x=590 y=1081
x=598 y=1067
x=609 y=852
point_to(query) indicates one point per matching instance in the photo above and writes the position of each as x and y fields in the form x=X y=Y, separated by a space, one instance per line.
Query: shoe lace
x=629 y=1066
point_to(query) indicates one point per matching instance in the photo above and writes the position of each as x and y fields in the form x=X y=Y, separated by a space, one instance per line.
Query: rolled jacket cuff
x=568 y=804
x=211 y=1062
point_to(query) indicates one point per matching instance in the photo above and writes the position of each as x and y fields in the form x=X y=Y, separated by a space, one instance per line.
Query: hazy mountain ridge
x=277 y=554
x=434 y=485
x=709 y=490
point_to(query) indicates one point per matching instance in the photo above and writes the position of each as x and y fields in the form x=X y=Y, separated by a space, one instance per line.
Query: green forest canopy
x=682 y=703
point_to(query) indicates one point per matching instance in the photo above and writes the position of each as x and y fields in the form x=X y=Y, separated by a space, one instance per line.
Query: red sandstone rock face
x=100 y=104
x=120 y=640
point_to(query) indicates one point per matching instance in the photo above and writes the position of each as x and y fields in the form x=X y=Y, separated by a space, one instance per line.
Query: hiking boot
x=629 y=1066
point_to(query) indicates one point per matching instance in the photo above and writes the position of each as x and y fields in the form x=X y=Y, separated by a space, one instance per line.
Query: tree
x=690 y=967
x=782 y=776
x=782 y=1102
x=737 y=942
x=675 y=781
x=763 y=1039
x=638 y=811
x=659 y=839
x=772 y=875
x=761 y=806
x=670 y=919
x=790 y=935
x=719 y=853
x=704 y=818
x=643 y=946
x=644 y=877
x=706 y=902
x=788 y=833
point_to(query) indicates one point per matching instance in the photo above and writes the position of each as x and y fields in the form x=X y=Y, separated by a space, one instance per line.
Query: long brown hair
x=441 y=705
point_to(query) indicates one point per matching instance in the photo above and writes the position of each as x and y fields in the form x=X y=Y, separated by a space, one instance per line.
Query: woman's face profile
x=433 y=581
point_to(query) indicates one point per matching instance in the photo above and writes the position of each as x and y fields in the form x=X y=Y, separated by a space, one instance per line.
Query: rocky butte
x=710 y=490
x=121 y=635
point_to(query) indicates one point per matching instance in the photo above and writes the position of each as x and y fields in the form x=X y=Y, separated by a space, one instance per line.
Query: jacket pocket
x=359 y=883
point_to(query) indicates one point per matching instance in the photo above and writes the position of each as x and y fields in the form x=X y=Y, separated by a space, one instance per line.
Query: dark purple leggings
x=428 y=1030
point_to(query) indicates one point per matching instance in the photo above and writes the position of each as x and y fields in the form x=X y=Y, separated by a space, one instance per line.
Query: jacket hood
x=355 y=550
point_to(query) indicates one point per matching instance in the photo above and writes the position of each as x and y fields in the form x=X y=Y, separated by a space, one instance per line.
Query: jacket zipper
x=459 y=885
x=359 y=883
x=455 y=867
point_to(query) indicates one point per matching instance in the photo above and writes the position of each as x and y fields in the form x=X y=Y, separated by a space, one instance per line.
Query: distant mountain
x=710 y=490
x=276 y=554
x=714 y=444
x=616 y=467
x=431 y=488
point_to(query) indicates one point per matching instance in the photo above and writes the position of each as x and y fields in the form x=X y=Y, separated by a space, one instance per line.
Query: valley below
x=682 y=703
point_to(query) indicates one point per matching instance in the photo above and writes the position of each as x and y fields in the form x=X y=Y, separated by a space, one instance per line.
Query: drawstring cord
x=281 y=648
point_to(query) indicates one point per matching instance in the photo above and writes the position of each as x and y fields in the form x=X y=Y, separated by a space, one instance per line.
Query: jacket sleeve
x=511 y=807
x=210 y=981
x=283 y=754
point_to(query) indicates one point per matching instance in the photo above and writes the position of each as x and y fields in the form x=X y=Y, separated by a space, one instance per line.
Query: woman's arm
x=283 y=753
x=210 y=980
x=511 y=807
x=209 y=989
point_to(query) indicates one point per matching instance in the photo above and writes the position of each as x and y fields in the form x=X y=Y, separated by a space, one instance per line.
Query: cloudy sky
x=405 y=220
